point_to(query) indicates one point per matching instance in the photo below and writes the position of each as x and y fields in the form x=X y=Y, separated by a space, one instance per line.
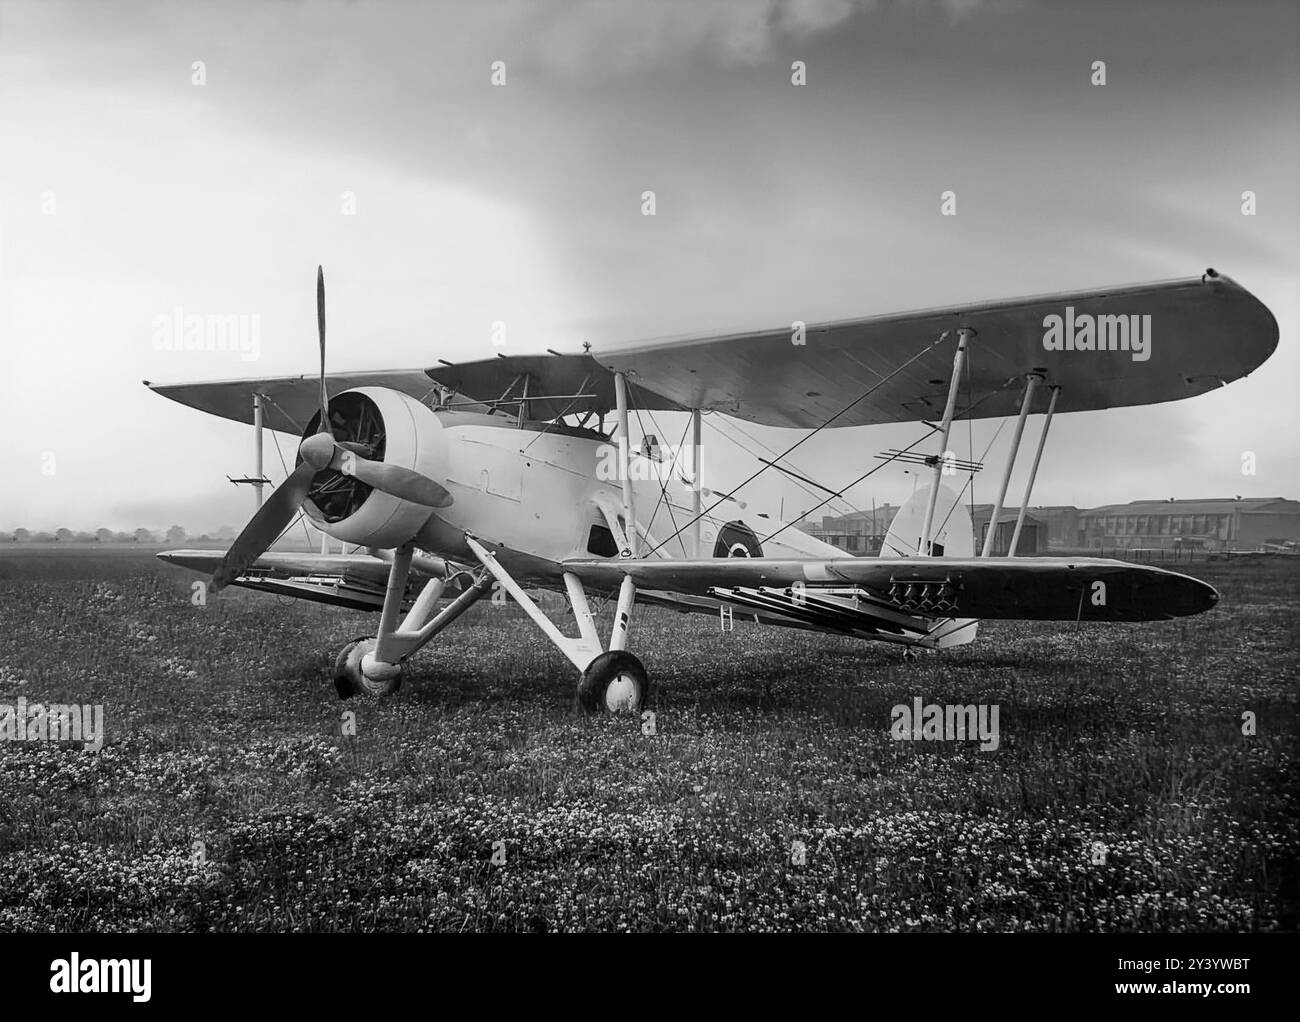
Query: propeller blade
x=393 y=479
x=264 y=527
x=320 y=325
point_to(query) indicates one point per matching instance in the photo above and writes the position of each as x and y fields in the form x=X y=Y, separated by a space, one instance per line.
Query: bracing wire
x=808 y=436
x=301 y=517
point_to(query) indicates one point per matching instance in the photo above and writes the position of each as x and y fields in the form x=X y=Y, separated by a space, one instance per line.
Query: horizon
x=313 y=539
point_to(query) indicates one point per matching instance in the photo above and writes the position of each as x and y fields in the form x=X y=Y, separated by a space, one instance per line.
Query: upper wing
x=1204 y=332
x=1026 y=588
x=290 y=400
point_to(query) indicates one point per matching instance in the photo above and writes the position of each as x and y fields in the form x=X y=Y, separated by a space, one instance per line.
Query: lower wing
x=356 y=581
x=907 y=593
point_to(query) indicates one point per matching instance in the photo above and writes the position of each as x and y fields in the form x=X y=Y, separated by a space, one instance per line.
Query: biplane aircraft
x=455 y=479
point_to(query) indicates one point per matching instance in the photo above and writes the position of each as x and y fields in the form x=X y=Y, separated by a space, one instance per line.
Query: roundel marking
x=736 y=539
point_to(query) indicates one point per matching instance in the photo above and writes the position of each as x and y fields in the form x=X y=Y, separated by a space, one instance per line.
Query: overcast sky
x=127 y=191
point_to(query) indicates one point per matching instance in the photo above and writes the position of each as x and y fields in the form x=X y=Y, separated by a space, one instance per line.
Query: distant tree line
x=176 y=534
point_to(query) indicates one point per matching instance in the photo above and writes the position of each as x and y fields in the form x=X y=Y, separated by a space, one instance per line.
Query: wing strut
x=1031 y=381
x=1033 y=473
x=624 y=464
x=697 y=453
x=257 y=446
x=958 y=361
x=258 y=479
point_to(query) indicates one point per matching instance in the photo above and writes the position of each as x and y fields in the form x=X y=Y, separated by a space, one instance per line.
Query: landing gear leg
x=612 y=679
x=373 y=665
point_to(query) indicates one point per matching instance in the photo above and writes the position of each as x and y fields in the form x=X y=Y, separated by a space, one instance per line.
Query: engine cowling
x=394 y=428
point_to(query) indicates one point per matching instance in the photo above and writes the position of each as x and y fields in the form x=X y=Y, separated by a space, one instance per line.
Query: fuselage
x=542 y=492
x=551 y=492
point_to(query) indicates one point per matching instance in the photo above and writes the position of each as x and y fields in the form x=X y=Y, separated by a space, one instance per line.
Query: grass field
x=1123 y=796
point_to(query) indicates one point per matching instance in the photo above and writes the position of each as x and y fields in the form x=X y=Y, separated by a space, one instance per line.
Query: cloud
x=594 y=40
x=808 y=17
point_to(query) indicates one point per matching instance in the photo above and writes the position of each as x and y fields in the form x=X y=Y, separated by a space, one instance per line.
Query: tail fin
x=951 y=535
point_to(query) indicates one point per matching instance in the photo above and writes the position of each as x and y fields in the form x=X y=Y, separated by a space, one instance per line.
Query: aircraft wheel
x=615 y=681
x=350 y=680
x=910 y=655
